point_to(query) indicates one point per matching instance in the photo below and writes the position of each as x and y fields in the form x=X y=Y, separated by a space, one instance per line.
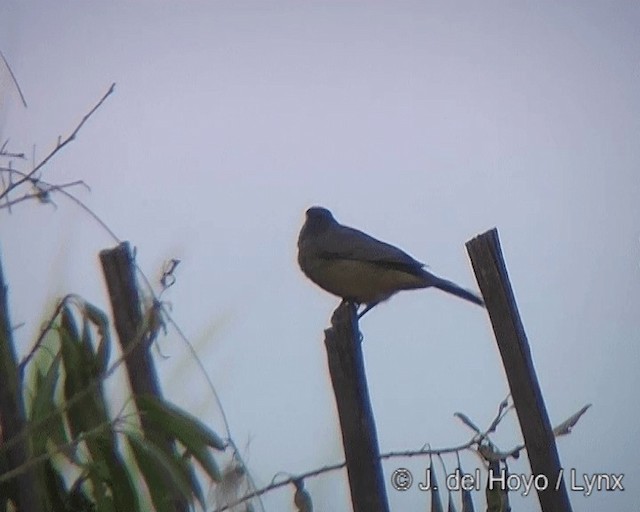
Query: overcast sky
x=422 y=123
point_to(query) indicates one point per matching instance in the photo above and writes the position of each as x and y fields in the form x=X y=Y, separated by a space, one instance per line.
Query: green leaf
x=97 y=317
x=162 y=411
x=436 y=502
x=43 y=405
x=302 y=498
x=196 y=489
x=103 y=353
x=101 y=321
x=566 y=426
x=467 y=498
x=56 y=490
x=451 y=507
x=497 y=497
x=106 y=504
x=467 y=501
x=111 y=481
x=206 y=460
x=90 y=410
x=191 y=432
x=155 y=465
x=68 y=323
x=124 y=493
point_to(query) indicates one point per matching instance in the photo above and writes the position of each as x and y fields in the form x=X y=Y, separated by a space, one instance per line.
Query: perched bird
x=359 y=268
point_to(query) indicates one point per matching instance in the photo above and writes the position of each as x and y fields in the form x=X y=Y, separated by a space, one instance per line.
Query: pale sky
x=422 y=123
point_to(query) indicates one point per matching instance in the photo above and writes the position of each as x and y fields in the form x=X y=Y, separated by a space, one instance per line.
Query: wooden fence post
x=491 y=274
x=120 y=274
x=359 y=438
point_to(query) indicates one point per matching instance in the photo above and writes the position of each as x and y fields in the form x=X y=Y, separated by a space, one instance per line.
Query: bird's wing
x=343 y=242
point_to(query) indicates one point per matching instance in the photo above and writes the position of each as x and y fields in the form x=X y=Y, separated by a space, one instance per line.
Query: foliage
x=80 y=447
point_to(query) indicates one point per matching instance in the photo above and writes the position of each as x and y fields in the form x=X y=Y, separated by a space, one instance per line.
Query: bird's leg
x=367 y=308
x=355 y=305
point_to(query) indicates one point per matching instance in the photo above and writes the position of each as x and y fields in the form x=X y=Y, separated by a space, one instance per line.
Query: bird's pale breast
x=361 y=281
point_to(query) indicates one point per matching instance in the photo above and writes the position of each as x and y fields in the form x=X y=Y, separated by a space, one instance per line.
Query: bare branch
x=9 y=154
x=13 y=77
x=42 y=194
x=61 y=144
x=465 y=419
x=476 y=440
x=503 y=409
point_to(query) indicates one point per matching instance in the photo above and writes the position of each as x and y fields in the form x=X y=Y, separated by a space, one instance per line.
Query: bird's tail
x=456 y=290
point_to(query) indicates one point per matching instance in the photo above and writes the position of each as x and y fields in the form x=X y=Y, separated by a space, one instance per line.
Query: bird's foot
x=366 y=309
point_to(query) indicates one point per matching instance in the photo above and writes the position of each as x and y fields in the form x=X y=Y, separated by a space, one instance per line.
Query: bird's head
x=318 y=219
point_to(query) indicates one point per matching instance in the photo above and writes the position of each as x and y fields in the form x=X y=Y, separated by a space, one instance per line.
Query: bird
x=360 y=269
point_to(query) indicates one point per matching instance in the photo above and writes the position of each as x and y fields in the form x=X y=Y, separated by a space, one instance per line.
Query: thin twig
x=33 y=461
x=60 y=144
x=13 y=77
x=504 y=407
x=45 y=330
x=42 y=194
x=2 y=183
x=475 y=440
x=486 y=452
x=430 y=451
x=9 y=154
